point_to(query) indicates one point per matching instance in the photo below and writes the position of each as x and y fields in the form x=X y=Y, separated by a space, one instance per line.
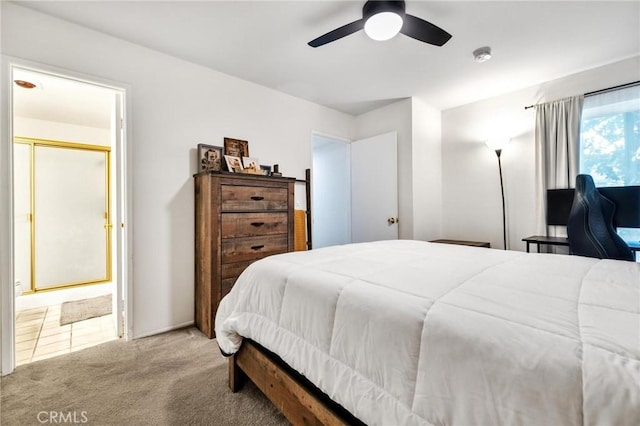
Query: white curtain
x=557 y=136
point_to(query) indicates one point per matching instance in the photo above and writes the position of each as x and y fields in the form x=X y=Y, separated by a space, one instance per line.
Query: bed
x=417 y=333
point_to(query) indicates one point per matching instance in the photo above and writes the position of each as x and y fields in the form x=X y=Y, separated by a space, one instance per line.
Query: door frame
x=123 y=209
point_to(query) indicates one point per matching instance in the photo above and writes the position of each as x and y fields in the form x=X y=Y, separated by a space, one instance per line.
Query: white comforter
x=408 y=332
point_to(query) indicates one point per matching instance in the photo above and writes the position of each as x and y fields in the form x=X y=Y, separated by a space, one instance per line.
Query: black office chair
x=590 y=227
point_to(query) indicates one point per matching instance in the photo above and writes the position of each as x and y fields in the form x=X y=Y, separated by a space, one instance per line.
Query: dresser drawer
x=233 y=270
x=252 y=248
x=230 y=273
x=250 y=198
x=253 y=224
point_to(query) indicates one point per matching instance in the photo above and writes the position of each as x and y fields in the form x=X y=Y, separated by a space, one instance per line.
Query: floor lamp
x=498 y=145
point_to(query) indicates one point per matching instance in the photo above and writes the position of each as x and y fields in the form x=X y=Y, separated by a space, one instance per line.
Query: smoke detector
x=482 y=54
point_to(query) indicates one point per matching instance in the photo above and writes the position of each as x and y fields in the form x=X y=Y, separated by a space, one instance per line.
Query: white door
x=374 y=188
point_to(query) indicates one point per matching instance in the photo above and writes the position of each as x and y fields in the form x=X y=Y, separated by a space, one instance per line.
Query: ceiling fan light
x=383 y=26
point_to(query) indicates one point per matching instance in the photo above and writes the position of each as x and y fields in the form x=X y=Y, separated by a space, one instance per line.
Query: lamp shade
x=383 y=25
x=497 y=143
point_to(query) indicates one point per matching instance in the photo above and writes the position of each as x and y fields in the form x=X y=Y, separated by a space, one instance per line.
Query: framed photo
x=265 y=169
x=251 y=165
x=234 y=164
x=236 y=147
x=209 y=157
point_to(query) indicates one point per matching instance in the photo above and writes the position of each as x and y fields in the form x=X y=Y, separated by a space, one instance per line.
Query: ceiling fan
x=382 y=20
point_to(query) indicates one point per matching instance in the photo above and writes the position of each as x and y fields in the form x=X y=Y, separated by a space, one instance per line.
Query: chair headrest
x=584 y=184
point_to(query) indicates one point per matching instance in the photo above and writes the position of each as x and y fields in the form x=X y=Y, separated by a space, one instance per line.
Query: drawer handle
x=257 y=198
x=257 y=247
x=256 y=224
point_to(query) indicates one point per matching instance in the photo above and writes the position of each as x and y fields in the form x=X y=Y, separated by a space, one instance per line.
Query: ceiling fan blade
x=422 y=30
x=338 y=33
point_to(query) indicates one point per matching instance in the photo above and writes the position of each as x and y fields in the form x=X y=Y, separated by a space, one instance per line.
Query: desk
x=561 y=241
x=463 y=243
x=542 y=240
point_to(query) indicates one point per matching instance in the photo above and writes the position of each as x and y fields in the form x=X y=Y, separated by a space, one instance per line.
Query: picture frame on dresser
x=251 y=165
x=266 y=170
x=234 y=164
x=236 y=147
x=210 y=157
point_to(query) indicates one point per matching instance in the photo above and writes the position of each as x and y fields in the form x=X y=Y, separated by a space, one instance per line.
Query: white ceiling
x=266 y=42
x=62 y=100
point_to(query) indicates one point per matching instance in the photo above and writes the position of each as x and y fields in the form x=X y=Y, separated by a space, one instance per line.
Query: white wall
x=427 y=171
x=175 y=106
x=331 y=192
x=470 y=183
x=63 y=132
x=395 y=117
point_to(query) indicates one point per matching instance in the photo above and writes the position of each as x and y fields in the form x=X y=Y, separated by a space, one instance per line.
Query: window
x=610 y=141
x=610 y=137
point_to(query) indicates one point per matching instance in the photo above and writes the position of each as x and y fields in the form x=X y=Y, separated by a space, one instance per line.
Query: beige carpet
x=80 y=310
x=176 y=378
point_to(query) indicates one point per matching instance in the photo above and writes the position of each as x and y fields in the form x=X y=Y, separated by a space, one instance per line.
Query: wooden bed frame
x=298 y=399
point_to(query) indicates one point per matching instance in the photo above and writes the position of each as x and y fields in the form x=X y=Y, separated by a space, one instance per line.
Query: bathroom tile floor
x=39 y=334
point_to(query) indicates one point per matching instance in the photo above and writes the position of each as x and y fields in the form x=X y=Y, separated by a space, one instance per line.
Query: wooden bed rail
x=299 y=401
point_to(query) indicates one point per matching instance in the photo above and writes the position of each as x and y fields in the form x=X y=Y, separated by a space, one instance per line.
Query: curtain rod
x=597 y=92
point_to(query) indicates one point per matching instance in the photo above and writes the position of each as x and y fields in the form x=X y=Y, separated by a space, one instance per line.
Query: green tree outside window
x=610 y=151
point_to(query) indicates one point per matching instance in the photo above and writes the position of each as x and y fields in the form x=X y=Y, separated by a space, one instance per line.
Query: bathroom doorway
x=68 y=145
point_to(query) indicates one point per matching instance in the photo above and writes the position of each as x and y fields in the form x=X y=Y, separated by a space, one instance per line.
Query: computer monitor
x=626 y=199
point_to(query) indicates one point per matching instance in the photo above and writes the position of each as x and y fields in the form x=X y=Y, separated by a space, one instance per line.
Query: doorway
x=331 y=191
x=69 y=181
x=355 y=189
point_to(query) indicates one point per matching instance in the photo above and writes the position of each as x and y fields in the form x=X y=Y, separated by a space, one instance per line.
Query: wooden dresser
x=239 y=219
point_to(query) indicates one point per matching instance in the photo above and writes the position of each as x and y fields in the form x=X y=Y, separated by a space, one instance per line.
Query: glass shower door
x=71 y=216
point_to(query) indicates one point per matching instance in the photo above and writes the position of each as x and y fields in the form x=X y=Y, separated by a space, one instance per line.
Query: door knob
x=392 y=220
